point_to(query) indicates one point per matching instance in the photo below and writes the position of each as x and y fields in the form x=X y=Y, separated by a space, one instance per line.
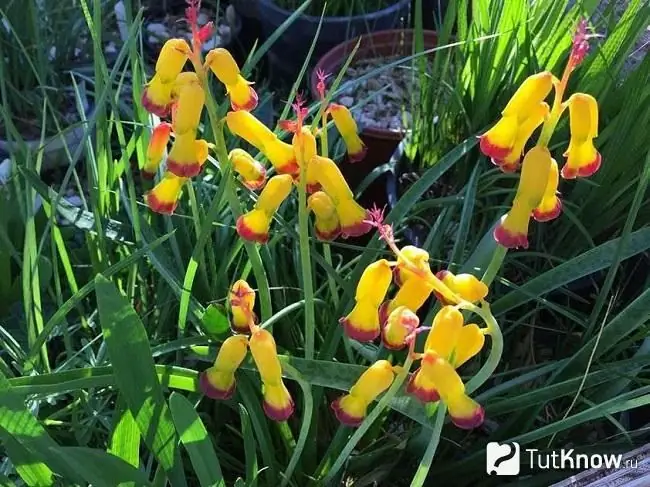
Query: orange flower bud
x=241 y=299
x=163 y=198
x=347 y=127
x=278 y=404
x=583 y=159
x=351 y=408
x=252 y=173
x=218 y=382
x=399 y=328
x=327 y=224
x=156 y=149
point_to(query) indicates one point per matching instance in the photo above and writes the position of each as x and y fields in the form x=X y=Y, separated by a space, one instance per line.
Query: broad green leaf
x=101 y=469
x=196 y=441
x=214 y=321
x=125 y=438
x=135 y=376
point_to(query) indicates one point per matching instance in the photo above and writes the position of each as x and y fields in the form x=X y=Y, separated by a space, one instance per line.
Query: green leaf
x=135 y=376
x=101 y=469
x=125 y=439
x=214 y=320
x=583 y=265
x=196 y=441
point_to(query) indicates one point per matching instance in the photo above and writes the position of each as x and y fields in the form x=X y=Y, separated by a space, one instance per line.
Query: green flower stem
x=305 y=262
x=370 y=419
x=495 y=264
x=427 y=458
x=496 y=349
x=196 y=219
x=264 y=290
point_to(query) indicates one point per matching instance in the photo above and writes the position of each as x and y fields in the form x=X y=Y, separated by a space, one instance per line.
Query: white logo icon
x=502 y=459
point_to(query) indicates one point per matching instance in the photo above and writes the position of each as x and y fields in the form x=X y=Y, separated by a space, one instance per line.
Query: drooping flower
x=551 y=205
x=157 y=94
x=512 y=231
x=242 y=94
x=304 y=146
x=190 y=98
x=251 y=172
x=255 y=224
x=327 y=226
x=351 y=408
x=163 y=198
x=362 y=323
x=347 y=127
x=353 y=218
x=399 y=327
x=467 y=286
x=278 y=404
x=583 y=159
x=280 y=154
x=218 y=382
x=437 y=379
x=187 y=155
x=444 y=332
x=412 y=294
x=510 y=163
x=156 y=149
x=508 y=134
x=241 y=300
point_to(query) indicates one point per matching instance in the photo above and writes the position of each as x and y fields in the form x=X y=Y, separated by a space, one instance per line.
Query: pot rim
x=337 y=19
x=342 y=50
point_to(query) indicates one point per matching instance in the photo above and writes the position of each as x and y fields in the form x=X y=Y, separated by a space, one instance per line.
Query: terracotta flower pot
x=381 y=143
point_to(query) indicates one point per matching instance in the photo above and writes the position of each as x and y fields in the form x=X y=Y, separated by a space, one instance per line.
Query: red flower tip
x=510 y=240
x=248 y=233
x=192 y=11
x=552 y=214
x=345 y=418
x=357 y=333
x=211 y=391
x=205 y=32
x=358 y=156
x=288 y=126
x=470 y=422
x=183 y=170
x=159 y=110
x=250 y=105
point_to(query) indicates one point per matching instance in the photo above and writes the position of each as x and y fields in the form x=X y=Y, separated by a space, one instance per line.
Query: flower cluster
x=181 y=95
x=450 y=343
x=218 y=381
x=505 y=142
x=331 y=199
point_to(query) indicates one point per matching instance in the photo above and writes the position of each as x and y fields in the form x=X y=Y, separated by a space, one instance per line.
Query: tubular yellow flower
x=186 y=114
x=412 y=295
x=444 y=332
x=278 y=404
x=437 y=377
x=537 y=115
x=187 y=155
x=252 y=173
x=512 y=232
x=156 y=149
x=163 y=198
x=417 y=257
x=470 y=342
x=467 y=286
x=172 y=59
x=282 y=156
x=157 y=95
x=328 y=174
x=583 y=159
x=255 y=224
x=347 y=127
x=551 y=205
x=242 y=95
x=241 y=299
x=218 y=382
x=351 y=408
x=245 y=125
x=326 y=225
x=362 y=323
x=399 y=328
x=500 y=140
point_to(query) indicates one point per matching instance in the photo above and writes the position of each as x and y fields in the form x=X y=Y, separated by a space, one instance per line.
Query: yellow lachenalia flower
x=218 y=382
x=251 y=172
x=583 y=159
x=242 y=94
x=551 y=205
x=241 y=300
x=351 y=408
x=157 y=95
x=467 y=286
x=347 y=127
x=163 y=198
x=327 y=226
x=399 y=327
